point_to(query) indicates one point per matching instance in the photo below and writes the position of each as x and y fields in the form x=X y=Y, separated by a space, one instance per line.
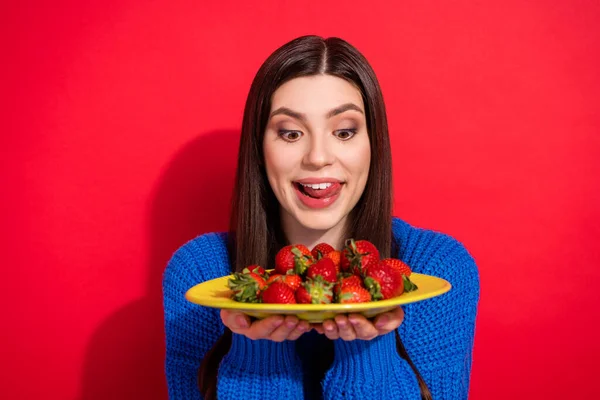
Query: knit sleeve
x=439 y=333
x=190 y=330
x=258 y=369
x=369 y=370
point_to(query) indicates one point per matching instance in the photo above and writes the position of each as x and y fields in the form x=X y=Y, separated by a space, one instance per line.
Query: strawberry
x=351 y=290
x=336 y=257
x=320 y=250
x=278 y=292
x=358 y=256
x=292 y=280
x=257 y=269
x=315 y=291
x=324 y=268
x=348 y=280
x=303 y=296
x=384 y=282
x=399 y=265
x=294 y=257
x=246 y=287
x=404 y=269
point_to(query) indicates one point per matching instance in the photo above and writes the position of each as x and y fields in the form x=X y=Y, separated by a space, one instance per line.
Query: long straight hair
x=255 y=233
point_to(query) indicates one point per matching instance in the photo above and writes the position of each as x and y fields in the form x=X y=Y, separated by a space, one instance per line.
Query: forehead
x=315 y=95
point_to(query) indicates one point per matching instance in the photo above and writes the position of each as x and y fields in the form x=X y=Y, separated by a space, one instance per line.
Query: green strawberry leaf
x=374 y=288
x=409 y=286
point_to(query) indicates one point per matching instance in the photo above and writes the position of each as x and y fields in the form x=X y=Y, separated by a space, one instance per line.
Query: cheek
x=359 y=160
x=365 y=160
x=276 y=163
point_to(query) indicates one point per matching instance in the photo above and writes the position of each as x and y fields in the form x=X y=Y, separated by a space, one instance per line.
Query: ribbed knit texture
x=437 y=333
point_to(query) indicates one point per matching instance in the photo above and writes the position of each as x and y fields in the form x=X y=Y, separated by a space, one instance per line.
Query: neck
x=298 y=234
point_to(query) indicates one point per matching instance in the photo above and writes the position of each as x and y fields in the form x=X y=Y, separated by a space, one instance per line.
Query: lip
x=307 y=181
x=320 y=203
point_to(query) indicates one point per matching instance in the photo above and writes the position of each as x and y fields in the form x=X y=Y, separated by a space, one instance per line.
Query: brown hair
x=255 y=232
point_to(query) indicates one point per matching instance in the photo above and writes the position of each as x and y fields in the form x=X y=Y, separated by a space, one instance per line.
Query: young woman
x=315 y=166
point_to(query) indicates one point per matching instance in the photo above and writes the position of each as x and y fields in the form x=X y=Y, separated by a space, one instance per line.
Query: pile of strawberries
x=323 y=276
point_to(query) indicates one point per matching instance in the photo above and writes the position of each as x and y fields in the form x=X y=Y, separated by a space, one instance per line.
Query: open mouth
x=319 y=190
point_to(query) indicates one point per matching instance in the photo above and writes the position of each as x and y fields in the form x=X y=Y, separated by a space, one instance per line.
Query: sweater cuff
x=381 y=351
x=360 y=367
x=259 y=370
x=261 y=356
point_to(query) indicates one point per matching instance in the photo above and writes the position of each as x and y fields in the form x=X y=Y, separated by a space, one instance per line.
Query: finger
x=389 y=321
x=283 y=331
x=364 y=329
x=331 y=329
x=345 y=329
x=234 y=320
x=264 y=328
x=303 y=326
x=318 y=327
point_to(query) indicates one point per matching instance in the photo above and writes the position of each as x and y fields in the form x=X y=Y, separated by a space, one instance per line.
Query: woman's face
x=316 y=149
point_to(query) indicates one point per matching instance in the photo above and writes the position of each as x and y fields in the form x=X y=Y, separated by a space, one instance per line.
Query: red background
x=121 y=122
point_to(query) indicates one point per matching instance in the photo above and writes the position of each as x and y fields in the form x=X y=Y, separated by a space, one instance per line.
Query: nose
x=319 y=153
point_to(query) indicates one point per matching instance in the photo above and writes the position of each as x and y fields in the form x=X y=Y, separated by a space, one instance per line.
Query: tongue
x=322 y=193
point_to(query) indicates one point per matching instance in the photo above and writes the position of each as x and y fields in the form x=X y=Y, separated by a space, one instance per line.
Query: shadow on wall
x=125 y=357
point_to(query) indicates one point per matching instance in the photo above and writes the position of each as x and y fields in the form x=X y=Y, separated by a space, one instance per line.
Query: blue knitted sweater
x=437 y=334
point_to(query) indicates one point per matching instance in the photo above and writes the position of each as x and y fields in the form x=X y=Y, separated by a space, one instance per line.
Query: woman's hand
x=276 y=328
x=356 y=326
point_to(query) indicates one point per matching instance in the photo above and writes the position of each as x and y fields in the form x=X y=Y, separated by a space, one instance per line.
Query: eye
x=345 y=134
x=290 y=136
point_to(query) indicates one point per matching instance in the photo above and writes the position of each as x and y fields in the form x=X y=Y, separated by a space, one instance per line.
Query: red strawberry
x=398 y=265
x=384 y=282
x=320 y=250
x=358 y=256
x=349 y=280
x=246 y=287
x=294 y=257
x=404 y=269
x=278 y=292
x=324 y=268
x=351 y=290
x=302 y=296
x=257 y=269
x=336 y=257
x=292 y=280
x=315 y=291
x=346 y=280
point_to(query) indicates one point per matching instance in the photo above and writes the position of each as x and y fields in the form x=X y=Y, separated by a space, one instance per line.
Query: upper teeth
x=317 y=185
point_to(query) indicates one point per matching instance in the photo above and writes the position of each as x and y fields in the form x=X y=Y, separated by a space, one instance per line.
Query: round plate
x=216 y=294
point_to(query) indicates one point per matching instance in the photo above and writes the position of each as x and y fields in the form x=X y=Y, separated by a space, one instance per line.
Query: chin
x=319 y=220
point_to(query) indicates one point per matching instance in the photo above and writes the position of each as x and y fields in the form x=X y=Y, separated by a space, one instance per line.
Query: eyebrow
x=332 y=113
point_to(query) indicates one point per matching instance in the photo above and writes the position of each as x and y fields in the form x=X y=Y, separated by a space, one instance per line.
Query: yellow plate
x=216 y=294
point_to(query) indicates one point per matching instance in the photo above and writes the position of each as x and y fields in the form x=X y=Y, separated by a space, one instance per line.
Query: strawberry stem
x=409 y=286
x=374 y=288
